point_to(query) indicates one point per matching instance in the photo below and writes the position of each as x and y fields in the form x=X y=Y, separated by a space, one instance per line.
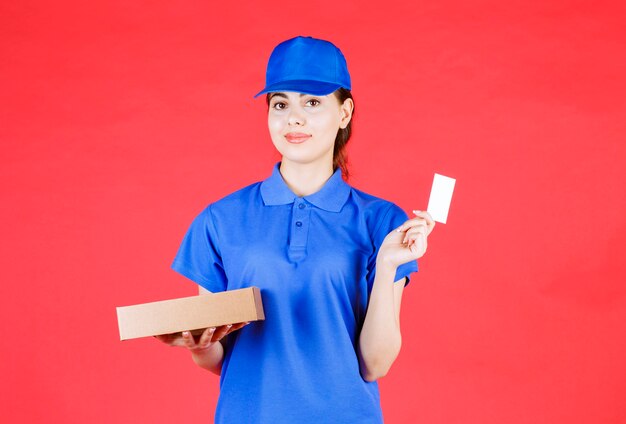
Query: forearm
x=210 y=359
x=380 y=340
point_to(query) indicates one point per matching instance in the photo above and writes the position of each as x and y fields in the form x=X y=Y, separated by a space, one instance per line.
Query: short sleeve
x=392 y=218
x=198 y=256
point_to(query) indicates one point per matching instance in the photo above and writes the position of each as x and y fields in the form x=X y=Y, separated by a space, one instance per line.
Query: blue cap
x=306 y=65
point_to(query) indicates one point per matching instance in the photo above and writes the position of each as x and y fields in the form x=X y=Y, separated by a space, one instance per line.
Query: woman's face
x=303 y=127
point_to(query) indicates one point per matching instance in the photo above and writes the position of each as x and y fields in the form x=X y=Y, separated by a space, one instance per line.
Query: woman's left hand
x=407 y=242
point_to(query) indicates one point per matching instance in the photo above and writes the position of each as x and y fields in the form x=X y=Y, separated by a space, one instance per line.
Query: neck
x=305 y=178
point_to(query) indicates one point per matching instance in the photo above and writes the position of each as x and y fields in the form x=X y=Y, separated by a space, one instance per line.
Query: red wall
x=121 y=120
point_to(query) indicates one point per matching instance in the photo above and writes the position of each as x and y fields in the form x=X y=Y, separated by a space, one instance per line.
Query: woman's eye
x=317 y=102
x=277 y=104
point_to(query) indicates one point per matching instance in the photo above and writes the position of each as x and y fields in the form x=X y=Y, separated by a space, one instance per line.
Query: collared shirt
x=314 y=259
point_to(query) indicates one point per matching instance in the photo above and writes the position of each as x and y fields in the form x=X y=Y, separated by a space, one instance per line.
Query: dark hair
x=340 y=157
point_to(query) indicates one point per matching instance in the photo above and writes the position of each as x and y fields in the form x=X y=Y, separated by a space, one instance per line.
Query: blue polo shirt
x=313 y=258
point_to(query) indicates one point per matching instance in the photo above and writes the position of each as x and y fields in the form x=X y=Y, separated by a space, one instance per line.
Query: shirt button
x=299 y=223
x=301 y=205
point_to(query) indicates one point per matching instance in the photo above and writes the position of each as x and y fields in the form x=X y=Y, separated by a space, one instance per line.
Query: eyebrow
x=279 y=94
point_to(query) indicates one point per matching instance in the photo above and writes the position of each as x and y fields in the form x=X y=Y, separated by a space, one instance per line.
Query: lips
x=297 y=137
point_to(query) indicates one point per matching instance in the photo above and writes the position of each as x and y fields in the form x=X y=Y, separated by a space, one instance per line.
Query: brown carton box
x=190 y=313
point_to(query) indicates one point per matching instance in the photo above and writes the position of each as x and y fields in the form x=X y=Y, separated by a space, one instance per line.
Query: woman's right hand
x=207 y=340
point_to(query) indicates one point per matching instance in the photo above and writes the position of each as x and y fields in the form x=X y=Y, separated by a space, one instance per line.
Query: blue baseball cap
x=306 y=65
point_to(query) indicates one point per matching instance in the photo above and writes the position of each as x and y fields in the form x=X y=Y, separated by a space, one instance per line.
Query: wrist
x=384 y=263
x=209 y=358
x=203 y=352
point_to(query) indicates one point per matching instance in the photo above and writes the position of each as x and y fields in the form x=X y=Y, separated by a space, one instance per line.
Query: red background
x=121 y=120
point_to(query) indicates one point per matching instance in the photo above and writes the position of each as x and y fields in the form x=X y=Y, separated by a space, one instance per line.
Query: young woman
x=331 y=261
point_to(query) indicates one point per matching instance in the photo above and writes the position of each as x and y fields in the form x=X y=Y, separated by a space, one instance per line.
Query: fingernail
x=185 y=333
x=416 y=212
x=212 y=328
x=229 y=325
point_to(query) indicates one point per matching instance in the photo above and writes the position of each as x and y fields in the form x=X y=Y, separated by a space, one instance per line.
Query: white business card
x=440 y=197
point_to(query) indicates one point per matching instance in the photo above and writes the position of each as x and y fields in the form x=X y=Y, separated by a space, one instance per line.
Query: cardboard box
x=193 y=313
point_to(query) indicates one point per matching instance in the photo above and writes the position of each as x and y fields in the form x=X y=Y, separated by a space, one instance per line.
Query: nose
x=295 y=117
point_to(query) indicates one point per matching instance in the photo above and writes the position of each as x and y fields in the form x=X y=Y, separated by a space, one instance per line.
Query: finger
x=164 y=338
x=237 y=326
x=413 y=229
x=221 y=331
x=419 y=245
x=422 y=229
x=173 y=339
x=429 y=219
x=206 y=337
x=417 y=228
x=188 y=340
x=411 y=222
x=418 y=241
x=414 y=233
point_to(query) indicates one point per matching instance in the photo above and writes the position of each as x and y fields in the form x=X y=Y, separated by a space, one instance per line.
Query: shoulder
x=370 y=204
x=229 y=205
x=376 y=210
x=241 y=197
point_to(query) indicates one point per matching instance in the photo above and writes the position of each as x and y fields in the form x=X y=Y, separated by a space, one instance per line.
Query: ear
x=346 y=113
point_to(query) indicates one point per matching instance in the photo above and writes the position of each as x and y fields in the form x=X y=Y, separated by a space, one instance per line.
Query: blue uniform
x=313 y=258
